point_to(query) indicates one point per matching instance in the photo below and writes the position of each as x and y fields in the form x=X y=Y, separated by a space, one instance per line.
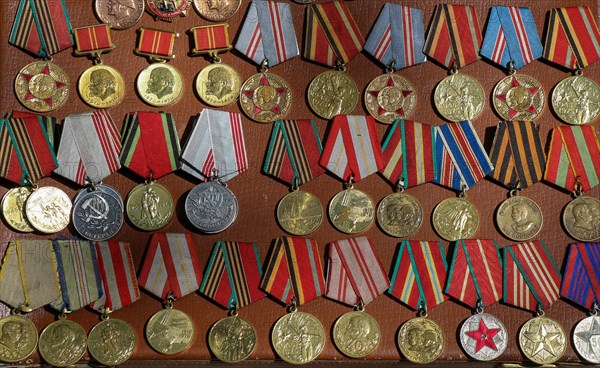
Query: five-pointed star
x=592 y=331
x=542 y=339
x=264 y=82
x=484 y=336
x=532 y=91
x=45 y=71
x=390 y=83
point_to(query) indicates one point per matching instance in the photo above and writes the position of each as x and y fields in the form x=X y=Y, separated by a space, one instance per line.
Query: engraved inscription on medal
x=211 y=207
x=299 y=213
x=586 y=339
x=112 y=342
x=399 y=214
x=519 y=218
x=101 y=86
x=170 y=331
x=351 y=211
x=581 y=218
x=97 y=215
x=159 y=85
x=455 y=218
x=63 y=343
x=218 y=85
x=576 y=100
x=483 y=337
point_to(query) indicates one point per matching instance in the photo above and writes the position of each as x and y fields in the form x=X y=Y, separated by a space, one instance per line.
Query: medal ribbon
x=511 y=36
x=294 y=271
x=211 y=38
x=51 y=123
x=93 y=39
x=156 y=43
x=397 y=36
x=117 y=271
x=454 y=36
x=409 y=153
x=171 y=265
x=331 y=34
x=418 y=274
x=572 y=37
x=352 y=147
x=475 y=272
x=268 y=33
x=78 y=273
x=294 y=152
x=460 y=155
x=517 y=154
x=354 y=272
x=29 y=276
x=531 y=278
x=581 y=280
x=232 y=275
x=41 y=27
x=573 y=157
x=150 y=144
x=217 y=142
x=89 y=147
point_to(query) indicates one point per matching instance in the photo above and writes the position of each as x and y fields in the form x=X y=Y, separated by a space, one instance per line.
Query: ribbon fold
x=581 y=277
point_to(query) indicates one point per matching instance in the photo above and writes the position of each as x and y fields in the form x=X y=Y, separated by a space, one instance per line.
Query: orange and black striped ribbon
x=93 y=39
x=211 y=38
x=155 y=43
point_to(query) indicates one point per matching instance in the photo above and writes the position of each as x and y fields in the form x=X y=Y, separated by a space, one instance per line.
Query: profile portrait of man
x=219 y=82
x=161 y=82
x=12 y=339
x=401 y=214
x=124 y=8
x=217 y=5
x=520 y=217
x=102 y=84
x=584 y=214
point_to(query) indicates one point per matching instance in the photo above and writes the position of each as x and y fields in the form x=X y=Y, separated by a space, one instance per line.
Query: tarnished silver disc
x=586 y=339
x=211 y=207
x=98 y=215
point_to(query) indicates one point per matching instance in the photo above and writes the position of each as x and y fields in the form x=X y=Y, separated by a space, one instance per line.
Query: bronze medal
x=351 y=211
x=421 y=340
x=42 y=86
x=399 y=214
x=459 y=97
x=112 y=342
x=101 y=86
x=390 y=97
x=455 y=218
x=218 y=85
x=542 y=340
x=332 y=93
x=120 y=14
x=519 y=218
x=159 y=84
x=170 y=331
x=18 y=338
x=48 y=209
x=299 y=213
x=519 y=97
x=356 y=334
x=265 y=97
x=62 y=343
x=581 y=218
x=149 y=206
x=232 y=339
x=217 y=10
x=298 y=338
x=13 y=209
x=576 y=100
x=167 y=10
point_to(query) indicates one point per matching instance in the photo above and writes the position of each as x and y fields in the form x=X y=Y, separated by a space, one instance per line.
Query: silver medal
x=586 y=339
x=101 y=187
x=211 y=207
x=97 y=215
x=483 y=337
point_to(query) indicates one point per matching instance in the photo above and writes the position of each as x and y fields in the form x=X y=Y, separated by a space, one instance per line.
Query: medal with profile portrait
x=519 y=218
x=120 y=14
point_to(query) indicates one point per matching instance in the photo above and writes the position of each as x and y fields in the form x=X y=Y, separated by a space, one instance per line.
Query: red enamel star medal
x=42 y=86
x=265 y=97
x=519 y=97
x=390 y=97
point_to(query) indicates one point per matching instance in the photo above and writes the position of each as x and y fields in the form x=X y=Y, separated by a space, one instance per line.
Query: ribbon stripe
x=210 y=39
x=155 y=42
x=93 y=39
x=580 y=283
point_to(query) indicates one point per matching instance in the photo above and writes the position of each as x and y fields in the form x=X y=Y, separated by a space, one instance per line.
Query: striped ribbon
x=461 y=157
x=171 y=266
x=517 y=154
x=41 y=27
x=581 y=280
x=573 y=157
x=331 y=35
x=454 y=35
x=294 y=152
x=475 y=273
x=232 y=275
x=268 y=33
x=354 y=272
x=78 y=273
x=117 y=272
x=211 y=38
x=150 y=144
x=409 y=153
x=572 y=37
x=397 y=36
x=216 y=143
x=26 y=154
x=352 y=147
x=89 y=147
x=51 y=123
x=156 y=43
x=28 y=276
x=531 y=278
x=294 y=271
x=511 y=36
x=418 y=274
x=93 y=39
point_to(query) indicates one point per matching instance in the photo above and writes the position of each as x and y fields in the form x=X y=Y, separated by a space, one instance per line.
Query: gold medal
x=352 y=211
x=576 y=100
x=218 y=85
x=48 y=209
x=159 y=84
x=18 y=338
x=299 y=213
x=149 y=206
x=101 y=86
x=298 y=337
x=232 y=339
x=421 y=340
x=581 y=218
x=356 y=334
x=170 y=331
x=13 y=209
x=332 y=93
x=519 y=97
x=390 y=97
x=265 y=97
x=112 y=342
x=455 y=218
x=519 y=218
x=62 y=343
x=42 y=86
x=399 y=214
x=459 y=97
x=542 y=340
x=217 y=10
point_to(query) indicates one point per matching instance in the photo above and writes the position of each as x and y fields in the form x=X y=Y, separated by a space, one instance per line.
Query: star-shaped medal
x=484 y=336
x=266 y=97
x=389 y=97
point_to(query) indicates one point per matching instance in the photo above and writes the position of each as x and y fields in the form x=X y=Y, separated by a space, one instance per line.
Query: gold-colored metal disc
x=421 y=340
x=48 y=209
x=575 y=100
x=356 y=334
x=217 y=10
x=18 y=338
x=62 y=343
x=390 y=97
x=159 y=84
x=352 y=211
x=581 y=218
x=112 y=342
x=299 y=213
x=455 y=218
x=149 y=206
x=265 y=97
x=519 y=97
x=101 y=86
x=232 y=339
x=170 y=331
x=459 y=97
x=542 y=340
x=332 y=93
x=519 y=218
x=42 y=86
x=298 y=338
x=218 y=85
x=13 y=209
x=399 y=214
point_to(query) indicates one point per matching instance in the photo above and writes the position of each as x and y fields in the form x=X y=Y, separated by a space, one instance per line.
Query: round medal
x=542 y=340
x=575 y=100
x=170 y=331
x=299 y=213
x=101 y=86
x=159 y=84
x=62 y=343
x=217 y=10
x=120 y=14
x=399 y=214
x=13 y=209
x=97 y=215
x=351 y=211
x=332 y=93
x=356 y=334
x=390 y=97
x=211 y=207
x=218 y=85
x=459 y=97
x=18 y=338
x=519 y=218
x=167 y=10
x=232 y=339
x=421 y=340
x=483 y=337
x=265 y=97
x=149 y=206
x=42 y=86
x=581 y=218
x=455 y=218
x=586 y=337
x=111 y=342
x=298 y=338
x=519 y=97
x=48 y=209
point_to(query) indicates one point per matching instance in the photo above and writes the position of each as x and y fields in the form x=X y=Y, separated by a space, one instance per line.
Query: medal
x=483 y=337
x=167 y=10
x=111 y=342
x=298 y=337
x=169 y=331
x=19 y=338
x=13 y=209
x=268 y=38
x=119 y=14
x=62 y=343
x=42 y=86
x=211 y=207
x=421 y=340
x=217 y=10
x=542 y=340
x=573 y=100
x=232 y=339
x=332 y=93
x=150 y=206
